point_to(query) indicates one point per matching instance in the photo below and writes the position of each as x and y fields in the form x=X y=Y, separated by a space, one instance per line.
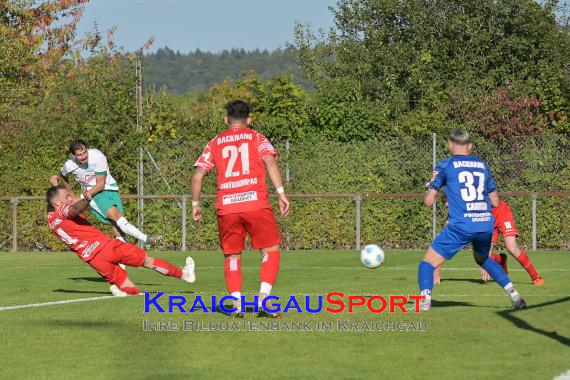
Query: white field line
x=32 y=305
x=64 y=302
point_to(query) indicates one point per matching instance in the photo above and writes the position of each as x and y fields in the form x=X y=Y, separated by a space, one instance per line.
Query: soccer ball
x=372 y=256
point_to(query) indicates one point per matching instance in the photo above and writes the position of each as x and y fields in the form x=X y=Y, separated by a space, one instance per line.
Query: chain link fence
x=344 y=194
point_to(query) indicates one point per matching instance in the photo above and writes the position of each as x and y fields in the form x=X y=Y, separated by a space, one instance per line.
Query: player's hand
x=436 y=276
x=484 y=275
x=283 y=204
x=87 y=195
x=54 y=180
x=197 y=213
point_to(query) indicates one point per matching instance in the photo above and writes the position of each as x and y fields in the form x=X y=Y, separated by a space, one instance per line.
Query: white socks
x=426 y=293
x=130 y=230
x=264 y=291
x=265 y=288
x=512 y=292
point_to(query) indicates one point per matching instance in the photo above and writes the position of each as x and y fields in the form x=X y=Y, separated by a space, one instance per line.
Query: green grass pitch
x=471 y=332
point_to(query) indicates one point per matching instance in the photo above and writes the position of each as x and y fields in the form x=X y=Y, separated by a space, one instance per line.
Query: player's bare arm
x=275 y=176
x=429 y=197
x=197 y=181
x=494 y=197
x=99 y=185
x=79 y=206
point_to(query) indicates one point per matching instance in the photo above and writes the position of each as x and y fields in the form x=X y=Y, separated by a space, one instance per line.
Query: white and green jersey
x=85 y=175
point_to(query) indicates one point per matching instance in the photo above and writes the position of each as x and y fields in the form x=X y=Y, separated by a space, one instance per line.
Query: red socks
x=232 y=274
x=527 y=265
x=165 y=268
x=270 y=266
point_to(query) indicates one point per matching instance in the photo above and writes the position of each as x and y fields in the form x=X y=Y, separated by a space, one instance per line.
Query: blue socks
x=496 y=272
x=425 y=275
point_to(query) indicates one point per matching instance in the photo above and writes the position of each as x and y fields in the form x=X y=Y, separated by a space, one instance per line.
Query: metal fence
x=362 y=218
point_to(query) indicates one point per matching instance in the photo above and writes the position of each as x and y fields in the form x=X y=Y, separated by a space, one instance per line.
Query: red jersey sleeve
x=64 y=210
x=264 y=147
x=206 y=159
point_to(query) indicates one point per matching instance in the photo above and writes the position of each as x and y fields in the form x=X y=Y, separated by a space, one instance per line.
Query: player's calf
x=232 y=275
x=500 y=277
x=270 y=265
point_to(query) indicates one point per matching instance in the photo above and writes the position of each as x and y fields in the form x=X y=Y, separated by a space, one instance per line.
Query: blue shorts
x=451 y=240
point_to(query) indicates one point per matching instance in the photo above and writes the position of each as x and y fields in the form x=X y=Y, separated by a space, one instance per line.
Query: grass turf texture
x=470 y=331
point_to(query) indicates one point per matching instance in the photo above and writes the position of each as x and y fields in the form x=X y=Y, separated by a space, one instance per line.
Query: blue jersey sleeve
x=490 y=184
x=439 y=177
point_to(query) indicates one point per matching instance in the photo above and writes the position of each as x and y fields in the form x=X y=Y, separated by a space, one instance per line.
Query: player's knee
x=271 y=249
x=114 y=214
x=433 y=258
x=512 y=247
x=148 y=262
x=480 y=258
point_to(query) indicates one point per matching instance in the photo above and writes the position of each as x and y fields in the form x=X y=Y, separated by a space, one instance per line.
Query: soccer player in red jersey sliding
x=99 y=251
x=240 y=156
x=505 y=224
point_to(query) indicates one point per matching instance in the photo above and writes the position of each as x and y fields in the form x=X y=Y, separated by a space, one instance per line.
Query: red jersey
x=237 y=156
x=80 y=235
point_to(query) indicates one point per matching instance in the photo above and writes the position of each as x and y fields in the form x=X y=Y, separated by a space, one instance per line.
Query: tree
x=416 y=55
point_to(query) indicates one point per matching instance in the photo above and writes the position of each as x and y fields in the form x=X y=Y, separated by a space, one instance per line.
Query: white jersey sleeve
x=98 y=162
x=68 y=167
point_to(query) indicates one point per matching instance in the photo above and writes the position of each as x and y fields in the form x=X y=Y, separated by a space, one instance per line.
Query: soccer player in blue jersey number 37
x=471 y=192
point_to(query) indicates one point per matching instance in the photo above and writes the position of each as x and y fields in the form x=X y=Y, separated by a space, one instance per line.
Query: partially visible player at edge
x=101 y=252
x=239 y=154
x=505 y=224
x=91 y=170
x=471 y=192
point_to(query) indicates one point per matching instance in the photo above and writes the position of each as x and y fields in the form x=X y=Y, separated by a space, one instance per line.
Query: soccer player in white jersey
x=91 y=170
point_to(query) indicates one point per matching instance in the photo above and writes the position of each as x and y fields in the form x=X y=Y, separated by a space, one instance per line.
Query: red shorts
x=259 y=224
x=504 y=222
x=107 y=261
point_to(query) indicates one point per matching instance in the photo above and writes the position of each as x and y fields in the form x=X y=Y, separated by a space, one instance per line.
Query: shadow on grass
x=71 y=291
x=248 y=309
x=518 y=322
x=472 y=280
x=99 y=279
x=439 y=304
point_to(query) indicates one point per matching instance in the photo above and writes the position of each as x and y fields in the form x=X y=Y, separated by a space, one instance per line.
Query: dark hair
x=238 y=110
x=77 y=144
x=460 y=136
x=50 y=194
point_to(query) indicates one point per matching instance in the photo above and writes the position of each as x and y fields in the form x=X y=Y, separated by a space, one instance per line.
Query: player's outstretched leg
x=522 y=258
x=232 y=275
x=116 y=216
x=268 y=275
x=500 y=277
x=187 y=273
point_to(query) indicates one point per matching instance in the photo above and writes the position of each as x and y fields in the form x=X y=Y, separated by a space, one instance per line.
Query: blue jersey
x=468 y=182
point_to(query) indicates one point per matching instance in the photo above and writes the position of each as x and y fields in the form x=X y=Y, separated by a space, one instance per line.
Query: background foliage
x=382 y=81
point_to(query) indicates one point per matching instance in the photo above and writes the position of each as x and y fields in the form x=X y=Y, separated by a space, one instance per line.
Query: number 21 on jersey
x=232 y=152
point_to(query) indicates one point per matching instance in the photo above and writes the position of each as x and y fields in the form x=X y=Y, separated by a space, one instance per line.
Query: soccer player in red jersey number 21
x=240 y=156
